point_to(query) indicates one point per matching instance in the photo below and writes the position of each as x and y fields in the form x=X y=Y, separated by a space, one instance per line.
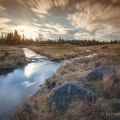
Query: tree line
x=16 y=39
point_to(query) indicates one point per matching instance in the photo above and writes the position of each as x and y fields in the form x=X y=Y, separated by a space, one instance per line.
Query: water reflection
x=32 y=68
x=22 y=83
x=27 y=83
x=32 y=56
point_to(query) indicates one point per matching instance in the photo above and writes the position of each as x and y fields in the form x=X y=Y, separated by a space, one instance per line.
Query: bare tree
x=40 y=37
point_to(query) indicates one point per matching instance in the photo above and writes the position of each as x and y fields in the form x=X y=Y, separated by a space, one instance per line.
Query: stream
x=21 y=83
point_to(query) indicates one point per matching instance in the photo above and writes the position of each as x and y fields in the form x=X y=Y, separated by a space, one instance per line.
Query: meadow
x=60 y=52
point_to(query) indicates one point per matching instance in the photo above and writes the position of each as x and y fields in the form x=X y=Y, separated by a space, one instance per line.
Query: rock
x=117 y=101
x=68 y=92
x=98 y=72
x=55 y=59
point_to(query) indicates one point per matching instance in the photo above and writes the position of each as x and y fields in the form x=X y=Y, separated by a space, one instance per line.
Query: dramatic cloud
x=4 y=20
x=4 y=23
x=72 y=19
x=97 y=16
x=42 y=7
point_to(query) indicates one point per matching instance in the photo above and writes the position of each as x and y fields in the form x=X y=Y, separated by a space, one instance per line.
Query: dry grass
x=72 y=71
x=109 y=60
x=73 y=66
x=112 y=49
x=111 y=82
x=11 y=57
x=60 y=52
x=42 y=110
x=84 y=110
x=76 y=69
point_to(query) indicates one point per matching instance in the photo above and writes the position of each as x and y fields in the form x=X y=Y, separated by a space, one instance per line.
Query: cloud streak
x=95 y=16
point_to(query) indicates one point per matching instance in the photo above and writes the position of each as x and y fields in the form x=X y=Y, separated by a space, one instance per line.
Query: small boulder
x=98 y=72
x=68 y=92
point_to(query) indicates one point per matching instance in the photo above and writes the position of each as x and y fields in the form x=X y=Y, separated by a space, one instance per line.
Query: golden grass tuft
x=111 y=82
x=84 y=110
x=106 y=59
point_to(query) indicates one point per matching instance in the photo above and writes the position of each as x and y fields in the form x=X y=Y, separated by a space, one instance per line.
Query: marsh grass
x=42 y=110
x=11 y=57
x=84 y=110
x=111 y=82
x=60 y=52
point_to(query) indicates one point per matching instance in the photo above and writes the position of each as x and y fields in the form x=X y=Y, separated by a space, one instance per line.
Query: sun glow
x=28 y=31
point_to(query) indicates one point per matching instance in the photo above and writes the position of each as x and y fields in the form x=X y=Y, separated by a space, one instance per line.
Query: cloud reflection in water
x=32 y=68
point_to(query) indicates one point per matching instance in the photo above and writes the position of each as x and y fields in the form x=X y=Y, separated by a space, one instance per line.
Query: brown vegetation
x=84 y=110
x=42 y=110
x=111 y=82
x=11 y=57
x=60 y=52
x=67 y=51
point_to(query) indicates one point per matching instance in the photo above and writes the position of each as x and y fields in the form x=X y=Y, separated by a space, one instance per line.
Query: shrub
x=111 y=82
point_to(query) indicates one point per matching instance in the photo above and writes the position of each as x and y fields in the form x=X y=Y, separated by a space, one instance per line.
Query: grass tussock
x=111 y=82
x=109 y=60
x=84 y=110
x=11 y=57
x=73 y=66
x=42 y=110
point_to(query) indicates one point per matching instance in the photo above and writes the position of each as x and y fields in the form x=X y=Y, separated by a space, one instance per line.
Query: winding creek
x=21 y=83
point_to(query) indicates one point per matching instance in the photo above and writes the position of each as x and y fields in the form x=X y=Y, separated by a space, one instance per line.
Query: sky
x=68 y=19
